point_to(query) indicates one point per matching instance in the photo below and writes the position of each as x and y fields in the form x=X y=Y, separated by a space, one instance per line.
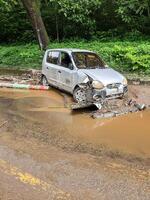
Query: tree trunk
x=33 y=9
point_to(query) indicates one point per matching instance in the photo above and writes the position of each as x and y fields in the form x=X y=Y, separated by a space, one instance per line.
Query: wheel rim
x=80 y=95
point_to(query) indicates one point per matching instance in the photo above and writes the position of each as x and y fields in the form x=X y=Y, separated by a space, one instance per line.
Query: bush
x=127 y=56
x=20 y=56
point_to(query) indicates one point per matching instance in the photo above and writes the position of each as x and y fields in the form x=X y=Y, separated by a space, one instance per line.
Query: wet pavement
x=49 y=152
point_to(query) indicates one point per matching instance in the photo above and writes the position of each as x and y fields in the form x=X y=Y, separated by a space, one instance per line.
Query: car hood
x=106 y=76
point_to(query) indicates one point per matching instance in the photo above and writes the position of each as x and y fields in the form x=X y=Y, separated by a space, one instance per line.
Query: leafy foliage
x=76 y=19
x=130 y=10
x=95 y=21
x=14 y=24
x=79 y=12
x=7 y=5
x=136 y=13
x=124 y=56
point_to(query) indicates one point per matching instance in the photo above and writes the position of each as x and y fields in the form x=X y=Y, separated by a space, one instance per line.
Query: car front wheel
x=44 y=81
x=79 y=95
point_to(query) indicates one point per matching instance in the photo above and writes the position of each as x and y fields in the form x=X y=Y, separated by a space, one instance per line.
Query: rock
x=103 y=115
x=76 y=106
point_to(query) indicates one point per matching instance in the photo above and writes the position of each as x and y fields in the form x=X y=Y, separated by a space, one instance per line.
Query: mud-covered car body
x=81 y=70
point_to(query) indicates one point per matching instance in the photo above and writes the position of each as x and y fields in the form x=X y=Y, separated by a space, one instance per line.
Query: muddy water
x=45 y=115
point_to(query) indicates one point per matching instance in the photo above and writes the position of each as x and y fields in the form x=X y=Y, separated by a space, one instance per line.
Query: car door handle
x=59 y=71
x=47 y=67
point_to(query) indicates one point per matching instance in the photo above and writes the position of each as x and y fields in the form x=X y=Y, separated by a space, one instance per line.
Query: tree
x=7 y=5
x=65 y=19
x=136 y=13
x=33 y=9
x=79 y=13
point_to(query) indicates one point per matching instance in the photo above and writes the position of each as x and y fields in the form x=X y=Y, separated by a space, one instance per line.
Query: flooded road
x=48 y=152
x=46 y=110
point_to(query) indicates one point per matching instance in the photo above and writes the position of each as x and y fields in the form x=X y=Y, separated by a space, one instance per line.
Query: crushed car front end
x=99 y=87
x=96 y=80
x=111 y=91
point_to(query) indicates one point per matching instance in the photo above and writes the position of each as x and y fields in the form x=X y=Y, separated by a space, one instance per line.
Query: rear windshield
x=86 y=60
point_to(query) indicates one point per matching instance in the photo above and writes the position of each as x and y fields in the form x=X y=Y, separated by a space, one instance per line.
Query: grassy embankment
x=125 y=56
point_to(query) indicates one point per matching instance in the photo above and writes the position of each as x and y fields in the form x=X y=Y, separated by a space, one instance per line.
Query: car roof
x=70 y=50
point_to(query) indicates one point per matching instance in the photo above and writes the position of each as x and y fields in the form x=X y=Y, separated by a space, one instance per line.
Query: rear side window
x=53 y=57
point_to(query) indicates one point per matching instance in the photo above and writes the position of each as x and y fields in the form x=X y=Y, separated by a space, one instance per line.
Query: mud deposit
x=48 y=152
x=43 y=115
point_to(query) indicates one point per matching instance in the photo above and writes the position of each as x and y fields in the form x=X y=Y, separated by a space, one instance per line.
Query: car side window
x=53 y=57
x=66 y=60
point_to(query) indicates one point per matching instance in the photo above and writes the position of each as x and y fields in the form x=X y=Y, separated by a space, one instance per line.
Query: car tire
x=44 y=80
x=79 y=95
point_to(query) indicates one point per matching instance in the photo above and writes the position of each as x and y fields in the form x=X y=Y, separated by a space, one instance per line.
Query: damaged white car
x=82 y=73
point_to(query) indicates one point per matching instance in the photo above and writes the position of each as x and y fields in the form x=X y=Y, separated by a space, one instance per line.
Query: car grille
x=113 y=85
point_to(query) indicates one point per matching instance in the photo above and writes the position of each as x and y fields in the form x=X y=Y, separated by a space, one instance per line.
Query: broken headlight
x=97 y=85
x=125 y=82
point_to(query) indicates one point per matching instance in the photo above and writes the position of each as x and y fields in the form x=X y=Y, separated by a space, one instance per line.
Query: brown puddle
x=127 y=134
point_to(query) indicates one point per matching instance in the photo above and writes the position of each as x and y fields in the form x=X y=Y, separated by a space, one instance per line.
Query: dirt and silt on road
x=49 y=152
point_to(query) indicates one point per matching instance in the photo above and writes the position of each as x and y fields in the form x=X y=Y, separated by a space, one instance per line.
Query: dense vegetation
x=118 y=30
x=127 y=56
x=76 y=19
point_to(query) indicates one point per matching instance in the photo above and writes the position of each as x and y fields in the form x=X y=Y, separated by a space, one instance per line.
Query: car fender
x=82 y=80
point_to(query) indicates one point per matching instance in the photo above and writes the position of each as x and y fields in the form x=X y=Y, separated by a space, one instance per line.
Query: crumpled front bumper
x=109 y=93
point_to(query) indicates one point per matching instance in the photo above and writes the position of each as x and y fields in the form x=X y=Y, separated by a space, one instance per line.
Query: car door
x=52 y=61
x=66 y=72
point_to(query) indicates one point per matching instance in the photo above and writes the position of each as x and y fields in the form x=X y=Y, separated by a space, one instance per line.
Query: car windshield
x=87 y=60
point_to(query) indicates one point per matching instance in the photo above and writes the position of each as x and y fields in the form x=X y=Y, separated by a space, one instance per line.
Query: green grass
x=125 y=56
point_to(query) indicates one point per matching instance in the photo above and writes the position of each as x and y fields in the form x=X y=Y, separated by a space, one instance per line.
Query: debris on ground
x=112 y=108
x=27 y=80
x=32 y=77
x=76 y=106
x=24 y=86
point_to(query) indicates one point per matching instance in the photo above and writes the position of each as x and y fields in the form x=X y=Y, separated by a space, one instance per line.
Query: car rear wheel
x=44 y=81
x=79 y=95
